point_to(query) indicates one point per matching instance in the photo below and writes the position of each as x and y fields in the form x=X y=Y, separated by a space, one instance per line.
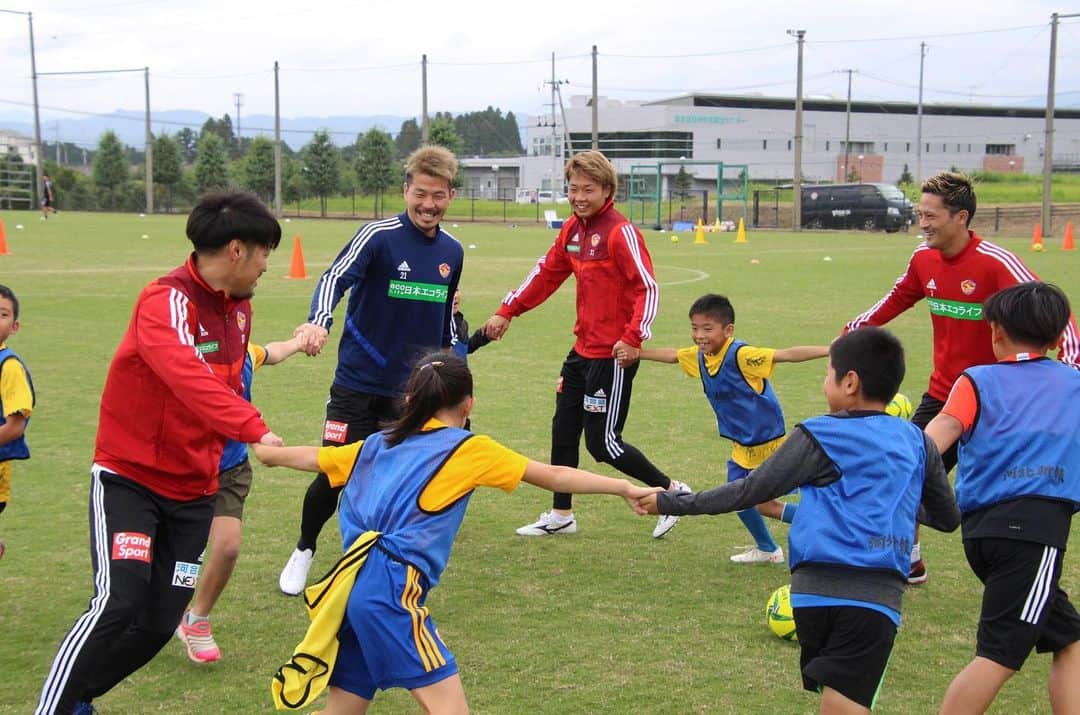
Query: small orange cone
x=1037 y=238
x=3 y=239
x=1066 y=245
x=296 y=266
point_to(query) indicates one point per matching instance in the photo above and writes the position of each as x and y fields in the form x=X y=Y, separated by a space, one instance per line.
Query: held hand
x=626 y=354
x=496 y=327
x=633 y=495
x=312 y=338
x=645 y=505
x=271 y=440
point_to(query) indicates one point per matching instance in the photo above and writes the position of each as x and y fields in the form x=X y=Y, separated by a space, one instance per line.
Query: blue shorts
x=388 y=639
x=736 y=471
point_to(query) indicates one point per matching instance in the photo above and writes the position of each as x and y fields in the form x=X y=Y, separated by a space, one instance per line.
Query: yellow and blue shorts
x=387 y=638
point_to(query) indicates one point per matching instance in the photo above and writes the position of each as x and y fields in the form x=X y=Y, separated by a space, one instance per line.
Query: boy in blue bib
x=735 y=377
x=1018 y=485
x=863 y=474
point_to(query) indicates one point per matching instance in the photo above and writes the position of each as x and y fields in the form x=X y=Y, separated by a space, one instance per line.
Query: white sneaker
x=754 y=555
x=294 y=576
x=666 y=522
x=550 y=523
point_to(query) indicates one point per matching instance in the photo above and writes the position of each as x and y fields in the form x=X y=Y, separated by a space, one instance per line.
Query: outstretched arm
x=668 y=355
x=305 y=459
x=578 y=481
x=282 y=350
x=801 y=353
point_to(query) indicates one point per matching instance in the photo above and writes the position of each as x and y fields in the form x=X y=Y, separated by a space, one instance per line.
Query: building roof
x=840 y=105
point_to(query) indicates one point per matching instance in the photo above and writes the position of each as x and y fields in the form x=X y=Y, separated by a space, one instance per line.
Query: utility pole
x=277 y=144
x=847 y=128
x=595 y=115
x=149 y=148
x=554 y=156
x=238 y=97
x=423 y=101
x=1048 y=144
x=918 y=115
x=796 y=183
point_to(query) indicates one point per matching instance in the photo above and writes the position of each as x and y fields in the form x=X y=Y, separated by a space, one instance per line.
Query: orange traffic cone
x=1037 y=238
x=1066 y=245
x=296 y=266
x=3 y=239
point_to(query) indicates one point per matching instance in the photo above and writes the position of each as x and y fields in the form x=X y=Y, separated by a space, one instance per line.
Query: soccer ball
x=779 y=615
x=900 y=406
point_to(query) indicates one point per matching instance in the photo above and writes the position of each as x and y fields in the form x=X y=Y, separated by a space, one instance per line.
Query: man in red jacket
x=955 y=271
x=172 y=397
x=617 y=300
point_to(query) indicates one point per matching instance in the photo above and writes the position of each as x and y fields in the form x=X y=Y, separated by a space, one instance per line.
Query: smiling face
x=944 y=231
x=709 y=333
x=9 y=324
x=249 y=266
x=426 y=201
x=587 y=195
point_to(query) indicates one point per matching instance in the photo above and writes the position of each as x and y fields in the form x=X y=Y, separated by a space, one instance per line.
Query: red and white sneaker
x=198 y=639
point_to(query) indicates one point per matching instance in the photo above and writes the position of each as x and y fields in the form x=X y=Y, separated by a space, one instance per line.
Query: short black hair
x=1033 y=313
x=875 y=355
x=222 y=216
x=6 y=292
x=715 y=306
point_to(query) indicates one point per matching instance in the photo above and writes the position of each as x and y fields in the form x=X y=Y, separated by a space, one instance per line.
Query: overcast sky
x=362 y=57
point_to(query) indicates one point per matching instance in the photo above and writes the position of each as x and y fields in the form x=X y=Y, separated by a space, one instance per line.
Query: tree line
x=188 y=163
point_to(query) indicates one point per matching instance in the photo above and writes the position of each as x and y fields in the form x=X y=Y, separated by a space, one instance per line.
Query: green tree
x=188 y=141
x=110 y=167
x=375 y=164
x=257 y=168
x=683 y=182
x=408 y=138
x=168 y=166
x=322 y=167
x=905 y=177
x=211 y=164
x=441 y=131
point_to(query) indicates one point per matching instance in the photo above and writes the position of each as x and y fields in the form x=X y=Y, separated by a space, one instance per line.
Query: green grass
x=606 y=621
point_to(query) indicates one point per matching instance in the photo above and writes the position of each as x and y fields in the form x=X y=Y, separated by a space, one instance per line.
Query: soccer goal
x=648 y=184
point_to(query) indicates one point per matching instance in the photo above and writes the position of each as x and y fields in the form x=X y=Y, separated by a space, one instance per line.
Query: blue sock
x=756 y=526
x=789 y=513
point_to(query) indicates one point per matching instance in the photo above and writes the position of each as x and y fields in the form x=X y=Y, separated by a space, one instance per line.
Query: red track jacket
x=173 y=393
x=617 y=294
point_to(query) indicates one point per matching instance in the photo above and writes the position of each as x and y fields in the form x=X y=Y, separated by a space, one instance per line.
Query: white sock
x=916 y=552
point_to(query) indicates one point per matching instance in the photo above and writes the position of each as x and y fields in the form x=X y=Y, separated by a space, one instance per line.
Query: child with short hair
x=1018 y=485
x=16 y=397
x=735 y=377
x=863 y=474
x=406 y=491
x=223 y=546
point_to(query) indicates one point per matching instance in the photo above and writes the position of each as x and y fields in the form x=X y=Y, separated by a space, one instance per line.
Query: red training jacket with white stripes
x=173 y=394
x=617 y=294
x=955 y=289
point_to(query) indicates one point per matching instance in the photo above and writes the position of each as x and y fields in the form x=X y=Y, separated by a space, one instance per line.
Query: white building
x=12 y=142
x=759 y=132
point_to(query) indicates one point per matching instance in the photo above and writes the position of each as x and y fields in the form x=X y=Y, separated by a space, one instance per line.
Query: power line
x=923 y=36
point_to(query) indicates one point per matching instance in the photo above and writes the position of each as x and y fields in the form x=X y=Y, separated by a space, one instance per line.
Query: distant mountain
x=129 y=126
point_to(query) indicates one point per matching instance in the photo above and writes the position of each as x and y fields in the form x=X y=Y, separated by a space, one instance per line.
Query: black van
x=870 y=207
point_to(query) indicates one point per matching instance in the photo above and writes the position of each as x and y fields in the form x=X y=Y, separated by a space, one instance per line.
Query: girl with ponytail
x=406 y=491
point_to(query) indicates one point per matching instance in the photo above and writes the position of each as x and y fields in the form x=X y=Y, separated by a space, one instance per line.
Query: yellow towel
x=301 y=680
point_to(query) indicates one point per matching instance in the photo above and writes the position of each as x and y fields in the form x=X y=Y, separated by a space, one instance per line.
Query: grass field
x=606 y=621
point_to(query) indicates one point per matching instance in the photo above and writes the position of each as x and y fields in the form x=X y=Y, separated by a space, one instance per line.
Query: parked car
x=549 y=197
x=871 y=207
